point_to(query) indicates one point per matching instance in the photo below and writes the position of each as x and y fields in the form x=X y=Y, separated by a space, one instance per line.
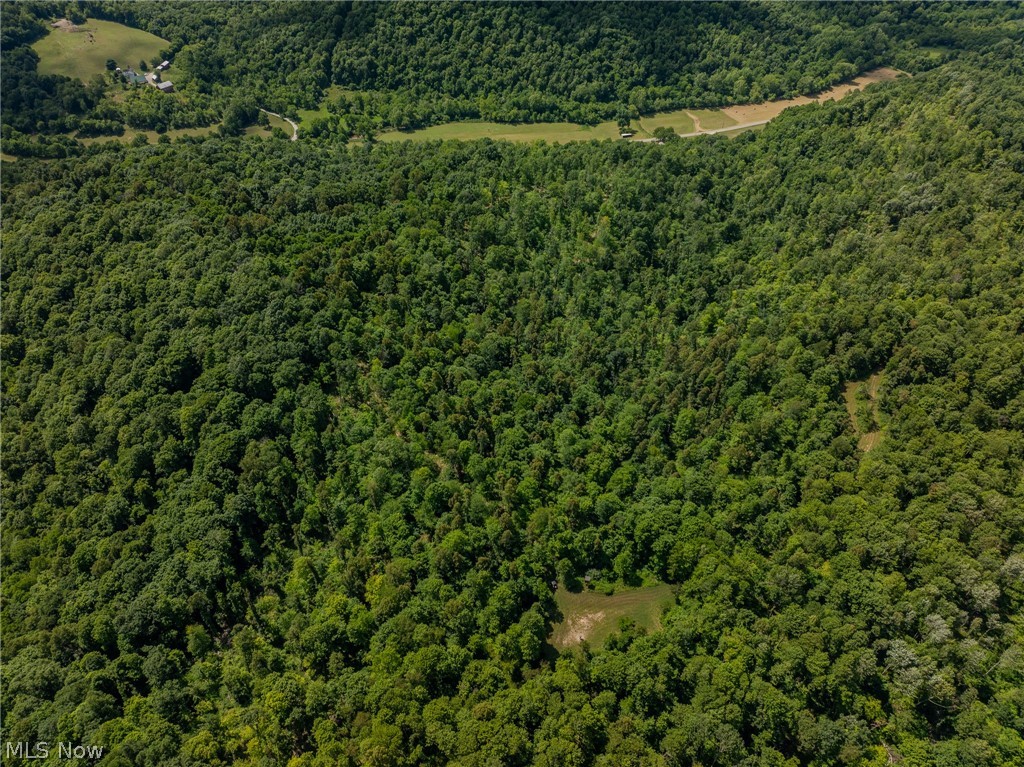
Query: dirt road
x=295 y=125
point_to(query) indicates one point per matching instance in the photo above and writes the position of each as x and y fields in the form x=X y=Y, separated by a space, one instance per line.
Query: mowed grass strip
x=83 y=52
x=525 y=132
x=593 y=617
x=712 y=119
x=679 y=121
x=740 y=131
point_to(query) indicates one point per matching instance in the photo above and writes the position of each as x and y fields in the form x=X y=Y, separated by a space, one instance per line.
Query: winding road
x=295 y=125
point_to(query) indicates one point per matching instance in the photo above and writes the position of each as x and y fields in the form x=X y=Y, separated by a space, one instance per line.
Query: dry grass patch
x=592 y=617
x=747 y=113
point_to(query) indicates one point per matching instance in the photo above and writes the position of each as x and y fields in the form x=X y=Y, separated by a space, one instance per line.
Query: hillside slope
x=410 y=64
x=296 y=438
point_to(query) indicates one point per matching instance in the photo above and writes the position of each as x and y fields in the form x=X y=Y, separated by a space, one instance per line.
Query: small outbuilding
x=166 y=86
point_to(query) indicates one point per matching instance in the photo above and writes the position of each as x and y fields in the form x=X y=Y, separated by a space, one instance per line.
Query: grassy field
x=467 y=131
x=151 y=135
x=739 y=131
x=594 y=617
x=305 y=115
x=768 y=110
x=259 y=130
x=83 y=51
x=679 y=121
x=712 y=119
x=684 y=121
x=551 y=132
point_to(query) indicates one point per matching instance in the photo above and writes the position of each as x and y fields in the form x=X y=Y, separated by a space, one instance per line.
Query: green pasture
x=265 y=131
x=330 y=95
x=712 y=119
x=470 y=130
x=83 y=51
x=679 y=121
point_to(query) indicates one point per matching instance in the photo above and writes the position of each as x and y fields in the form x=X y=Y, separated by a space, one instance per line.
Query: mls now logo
x=41 y=750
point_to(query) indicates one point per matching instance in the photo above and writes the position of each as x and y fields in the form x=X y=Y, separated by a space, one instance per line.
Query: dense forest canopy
x=297 y=436
x=410 y=64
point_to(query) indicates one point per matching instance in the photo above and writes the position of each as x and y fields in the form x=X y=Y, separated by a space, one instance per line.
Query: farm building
x=166 y=86
x=133 y=77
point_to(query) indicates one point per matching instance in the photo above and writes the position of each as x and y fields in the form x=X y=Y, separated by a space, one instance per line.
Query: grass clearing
x=742 y=130
x=593 y=617
x=152 y=136
x=471 y=130
x=767 y=110
x=265 y=131
x=711 y=119
x=681 y=121
x=330 y=95
x=82 y=51
x=870 y=432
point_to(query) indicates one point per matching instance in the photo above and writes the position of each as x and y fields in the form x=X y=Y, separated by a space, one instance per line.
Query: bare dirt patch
x=579 y=627
x=748 y=113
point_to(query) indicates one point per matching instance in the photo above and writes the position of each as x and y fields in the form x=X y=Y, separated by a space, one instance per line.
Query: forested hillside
x=296 y=438
x=411 y=64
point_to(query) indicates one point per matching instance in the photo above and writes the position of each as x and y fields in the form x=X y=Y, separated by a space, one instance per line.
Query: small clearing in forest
x=593 y=617
x=864 y=415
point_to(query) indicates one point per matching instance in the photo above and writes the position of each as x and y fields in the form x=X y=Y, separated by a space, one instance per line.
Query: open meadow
x=593 y=617
x=683 y=121
x=529 y=132
x=81 y=51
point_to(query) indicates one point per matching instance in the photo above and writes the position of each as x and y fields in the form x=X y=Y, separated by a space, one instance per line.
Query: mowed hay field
x=686 y=122
x=712 y=119
x=468 y=131
x=767 y=110
x=680 y=121
x=593 y=617
x=82 y=51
